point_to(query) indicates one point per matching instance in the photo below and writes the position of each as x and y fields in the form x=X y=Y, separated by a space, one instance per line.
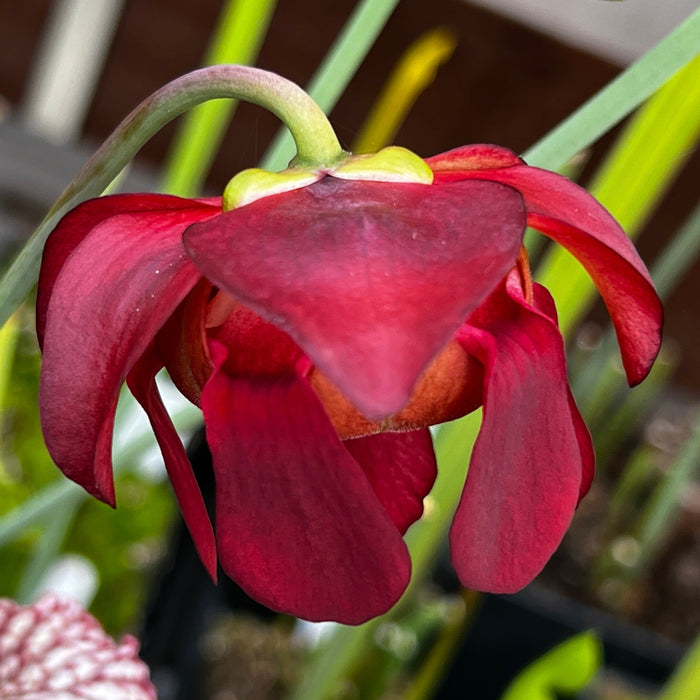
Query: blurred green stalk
x=638 y=170
x=678 y=256
x=619 y=98
x=238 y=35
x=660 y=511
x=685 y=681
x=9 y=335
x=611 y=427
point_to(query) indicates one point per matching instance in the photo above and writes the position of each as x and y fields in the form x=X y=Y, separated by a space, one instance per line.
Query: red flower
x=321 y=330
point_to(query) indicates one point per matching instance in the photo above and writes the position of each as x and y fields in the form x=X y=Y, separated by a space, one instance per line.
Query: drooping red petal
x=182 y=345
x=371 y=279
x=401 y=468
x=525 y=473
x=256 y=347
x=544 y=303
x=625 y=286
x=141 y=382
x=573 y=218
x=110 y=298
x=78 y=222
x=477 y=156
x=585 y=446
x=297 y=523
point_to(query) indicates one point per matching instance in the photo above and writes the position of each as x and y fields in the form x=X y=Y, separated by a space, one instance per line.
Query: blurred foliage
x=25 y=465
x=25 y=462
x=126 y=545
x=123 y=544
x=685 y=680
x=566 y=669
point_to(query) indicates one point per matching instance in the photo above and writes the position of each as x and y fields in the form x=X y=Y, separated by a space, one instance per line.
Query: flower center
x=450 y=387
x=523 y=265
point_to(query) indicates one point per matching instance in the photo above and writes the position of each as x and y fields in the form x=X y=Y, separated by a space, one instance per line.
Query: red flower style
x=321 y=331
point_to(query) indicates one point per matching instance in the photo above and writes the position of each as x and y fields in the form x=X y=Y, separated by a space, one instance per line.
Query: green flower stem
x=317 y=146
x=339 y=66
x=239 y=33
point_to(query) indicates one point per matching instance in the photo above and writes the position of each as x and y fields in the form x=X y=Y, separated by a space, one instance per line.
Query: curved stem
x=238 y=36
x=317 y=146
x=350 y=48
x=316 y=142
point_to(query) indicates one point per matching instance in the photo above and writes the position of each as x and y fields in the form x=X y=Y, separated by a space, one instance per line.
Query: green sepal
x=391 y=164
x=254 y=183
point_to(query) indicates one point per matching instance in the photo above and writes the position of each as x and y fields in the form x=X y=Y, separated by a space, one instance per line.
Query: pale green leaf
x=567 y=668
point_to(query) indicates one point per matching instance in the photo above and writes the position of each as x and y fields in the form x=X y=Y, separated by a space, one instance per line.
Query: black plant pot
x=511 y=631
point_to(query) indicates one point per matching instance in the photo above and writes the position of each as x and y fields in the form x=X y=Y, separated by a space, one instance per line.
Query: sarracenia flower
x=322 y=322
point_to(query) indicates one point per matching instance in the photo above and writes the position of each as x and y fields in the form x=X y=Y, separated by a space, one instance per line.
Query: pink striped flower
x=54 y=650
x=322 y=330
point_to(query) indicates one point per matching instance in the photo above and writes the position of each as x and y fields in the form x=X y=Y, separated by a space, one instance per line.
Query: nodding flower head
x=323 y=320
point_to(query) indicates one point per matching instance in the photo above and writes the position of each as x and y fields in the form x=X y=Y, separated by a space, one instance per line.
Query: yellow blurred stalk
x=414 y=72
x=9 y=335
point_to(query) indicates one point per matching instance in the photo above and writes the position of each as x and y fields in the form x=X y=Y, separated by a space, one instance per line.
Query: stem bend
x=317 y=146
